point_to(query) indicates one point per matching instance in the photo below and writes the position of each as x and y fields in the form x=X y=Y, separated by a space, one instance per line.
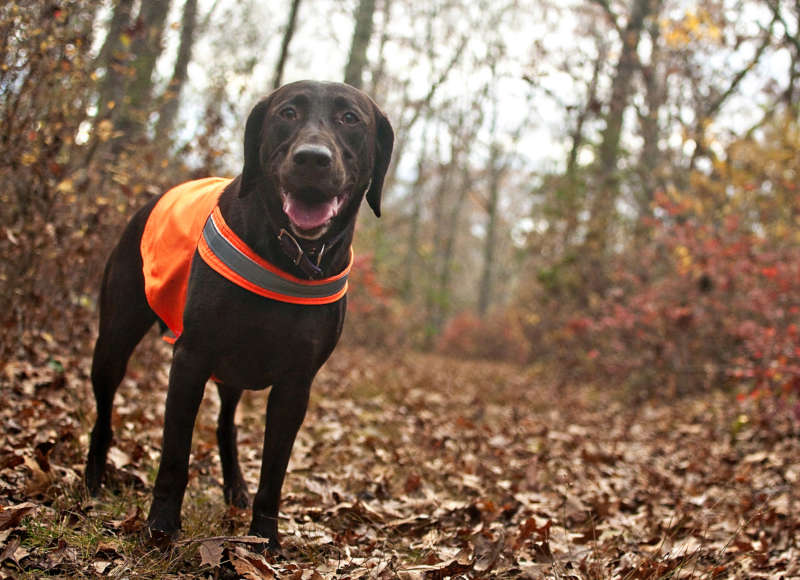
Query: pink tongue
x=308 y=216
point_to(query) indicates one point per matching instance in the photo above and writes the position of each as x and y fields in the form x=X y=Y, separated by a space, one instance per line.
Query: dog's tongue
x=308 y=216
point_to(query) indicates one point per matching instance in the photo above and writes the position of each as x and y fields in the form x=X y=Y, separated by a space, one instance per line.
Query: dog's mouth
x=310 y=214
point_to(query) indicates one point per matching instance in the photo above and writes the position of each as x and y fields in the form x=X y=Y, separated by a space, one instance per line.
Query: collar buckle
x=291 y=246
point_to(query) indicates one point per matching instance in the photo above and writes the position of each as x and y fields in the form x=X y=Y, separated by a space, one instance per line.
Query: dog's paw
x=237 y=496
x=267 y=528
x=161 y=533
x=92 y=486
x=93 y=478
x=161 y=539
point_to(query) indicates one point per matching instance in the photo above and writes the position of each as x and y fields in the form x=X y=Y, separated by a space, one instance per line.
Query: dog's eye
x=349 y=118
x=288 y=113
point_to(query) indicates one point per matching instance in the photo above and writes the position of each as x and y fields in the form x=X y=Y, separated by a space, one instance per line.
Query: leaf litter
x=412 y=466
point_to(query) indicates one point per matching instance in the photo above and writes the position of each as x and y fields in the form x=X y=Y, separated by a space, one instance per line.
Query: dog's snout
x=313 y=156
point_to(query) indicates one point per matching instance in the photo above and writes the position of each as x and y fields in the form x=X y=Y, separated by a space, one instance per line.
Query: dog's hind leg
x=234 y=486
x=125 y=317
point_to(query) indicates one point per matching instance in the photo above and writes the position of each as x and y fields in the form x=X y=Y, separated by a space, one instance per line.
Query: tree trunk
x=146 y=47
x=489 y=244
x=412 y=247
x=448 y=251
x=172 y=94
x=602 y=207
x=113 y=60
x=380 y=67
x=655 y=96
x=357 y=61
x=433 y=300
x=287 y=39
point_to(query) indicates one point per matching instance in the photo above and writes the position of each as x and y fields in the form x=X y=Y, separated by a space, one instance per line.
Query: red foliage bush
x=700 y=303
x=374 y=317
x=499 y=337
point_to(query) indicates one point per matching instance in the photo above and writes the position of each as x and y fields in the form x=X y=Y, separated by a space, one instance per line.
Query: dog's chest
x=253 y=341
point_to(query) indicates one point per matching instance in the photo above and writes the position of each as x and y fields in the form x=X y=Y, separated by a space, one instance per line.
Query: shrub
x=498 y=337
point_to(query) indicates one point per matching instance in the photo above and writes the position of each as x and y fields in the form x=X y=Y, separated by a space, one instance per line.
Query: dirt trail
x=413 y=465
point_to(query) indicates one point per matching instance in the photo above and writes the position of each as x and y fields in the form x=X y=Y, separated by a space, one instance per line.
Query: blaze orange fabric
x=174 y=230
x=169 y=241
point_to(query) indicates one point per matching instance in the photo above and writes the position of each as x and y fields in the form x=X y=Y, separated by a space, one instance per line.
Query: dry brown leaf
x=487 y=551
x=210 y=553
x=9 y=550
x=251 y=565
x=10 y=516
x=132 y=523
x=451 y=569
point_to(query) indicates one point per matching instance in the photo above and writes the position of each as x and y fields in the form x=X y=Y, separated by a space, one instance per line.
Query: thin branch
x=609 y=12
x=776 y=12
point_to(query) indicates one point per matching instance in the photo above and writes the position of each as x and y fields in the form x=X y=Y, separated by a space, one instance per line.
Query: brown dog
x=312 y=152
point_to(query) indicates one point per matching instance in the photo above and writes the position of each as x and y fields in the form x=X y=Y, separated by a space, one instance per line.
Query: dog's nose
x=312 y=156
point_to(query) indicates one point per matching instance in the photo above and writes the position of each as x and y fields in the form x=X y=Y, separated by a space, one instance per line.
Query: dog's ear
x=384 y=142
x=252 y=145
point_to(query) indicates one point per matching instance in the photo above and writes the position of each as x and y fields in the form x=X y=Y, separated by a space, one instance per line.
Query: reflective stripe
x=229 y=259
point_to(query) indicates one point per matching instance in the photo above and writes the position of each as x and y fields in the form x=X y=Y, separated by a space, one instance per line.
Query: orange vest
x=186 y=219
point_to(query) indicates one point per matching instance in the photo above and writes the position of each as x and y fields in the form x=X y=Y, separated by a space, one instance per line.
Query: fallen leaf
x=132 y=523
x=210 y=553
x=10 y=516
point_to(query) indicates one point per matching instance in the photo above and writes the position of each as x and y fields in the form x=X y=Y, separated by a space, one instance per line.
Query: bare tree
x=287 y=39
x=380 y=66
x=146 y=47
x=602 y=206
x=171 y=96
x=362 y=34
x=113 y=60
x=490 y=239
x=655 y=76
x=415 y=219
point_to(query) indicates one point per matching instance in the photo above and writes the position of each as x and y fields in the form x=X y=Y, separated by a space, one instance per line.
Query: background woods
x=571 y=181
x=596 y=200
x=664 y=203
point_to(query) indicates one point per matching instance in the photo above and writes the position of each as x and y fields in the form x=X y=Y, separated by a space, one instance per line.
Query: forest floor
x=411 y=466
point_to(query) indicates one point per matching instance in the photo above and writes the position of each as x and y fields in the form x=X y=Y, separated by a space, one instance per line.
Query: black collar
x=307 y=260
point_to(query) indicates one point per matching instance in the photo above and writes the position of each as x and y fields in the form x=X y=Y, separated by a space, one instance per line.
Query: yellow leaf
x=28 y=158
x=692 y=22
x=104 y=130
x=65 y=186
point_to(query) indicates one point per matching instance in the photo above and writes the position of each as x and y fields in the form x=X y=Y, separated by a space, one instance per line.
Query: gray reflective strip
x=255 y=274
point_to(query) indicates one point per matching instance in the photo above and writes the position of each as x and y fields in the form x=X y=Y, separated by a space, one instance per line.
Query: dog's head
x=314 y=150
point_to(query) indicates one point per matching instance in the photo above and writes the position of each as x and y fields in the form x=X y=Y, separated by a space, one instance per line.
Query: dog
x=257 y=297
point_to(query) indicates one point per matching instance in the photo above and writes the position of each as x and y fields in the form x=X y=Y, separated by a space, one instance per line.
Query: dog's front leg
x=187 y=379
x=286 y=410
